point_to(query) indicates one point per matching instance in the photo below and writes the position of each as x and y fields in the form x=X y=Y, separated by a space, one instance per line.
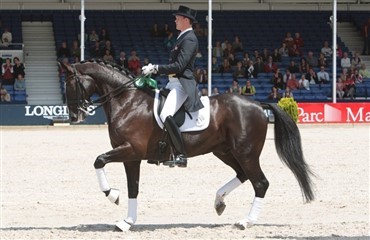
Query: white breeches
x=175 y=99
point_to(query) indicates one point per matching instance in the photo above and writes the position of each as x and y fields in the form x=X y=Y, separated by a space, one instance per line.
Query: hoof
x=114 y=196
x=243 y=224
x=123 y=226
x=220 y=207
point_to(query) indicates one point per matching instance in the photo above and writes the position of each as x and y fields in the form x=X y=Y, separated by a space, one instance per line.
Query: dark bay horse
x=236 y=135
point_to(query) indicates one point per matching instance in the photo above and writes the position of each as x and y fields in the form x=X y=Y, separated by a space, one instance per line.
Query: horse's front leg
x=133 y=177
x=123 y=153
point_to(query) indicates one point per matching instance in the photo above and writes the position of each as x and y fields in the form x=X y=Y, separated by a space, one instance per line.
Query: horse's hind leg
x=260 y=184
x=229 y=160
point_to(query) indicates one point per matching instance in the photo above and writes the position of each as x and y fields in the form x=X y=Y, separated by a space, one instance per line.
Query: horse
x=236 y=135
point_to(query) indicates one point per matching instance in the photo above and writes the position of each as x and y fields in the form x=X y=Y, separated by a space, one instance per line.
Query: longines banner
x=334 y=112
x=43 y=115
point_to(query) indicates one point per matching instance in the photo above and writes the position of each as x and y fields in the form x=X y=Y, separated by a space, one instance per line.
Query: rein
x=83 y=104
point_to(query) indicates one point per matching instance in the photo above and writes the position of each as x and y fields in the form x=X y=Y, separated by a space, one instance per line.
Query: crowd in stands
x=12 y=78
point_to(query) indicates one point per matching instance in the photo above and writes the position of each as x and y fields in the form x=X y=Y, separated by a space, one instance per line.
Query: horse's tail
x=289 y=149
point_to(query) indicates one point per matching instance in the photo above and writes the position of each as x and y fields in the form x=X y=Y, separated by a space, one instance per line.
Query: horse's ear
x=65 y=66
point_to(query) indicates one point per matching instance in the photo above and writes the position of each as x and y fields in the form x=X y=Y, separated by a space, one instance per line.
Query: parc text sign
x=334 y=112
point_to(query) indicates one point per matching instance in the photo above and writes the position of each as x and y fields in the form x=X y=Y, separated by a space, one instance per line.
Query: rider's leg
x=175 y=99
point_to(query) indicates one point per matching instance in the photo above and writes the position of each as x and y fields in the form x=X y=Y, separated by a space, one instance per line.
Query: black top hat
x=187 y=12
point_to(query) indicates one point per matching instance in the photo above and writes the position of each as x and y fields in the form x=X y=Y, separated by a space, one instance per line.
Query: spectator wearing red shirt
x=298 y=40
x=270 y=66
x=134 y=62
x=292 y=83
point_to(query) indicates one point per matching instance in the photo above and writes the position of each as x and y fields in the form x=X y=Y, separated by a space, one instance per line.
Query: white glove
x=149 y=69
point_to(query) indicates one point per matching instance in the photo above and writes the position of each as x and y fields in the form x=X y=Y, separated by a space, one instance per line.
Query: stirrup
x=178 y=160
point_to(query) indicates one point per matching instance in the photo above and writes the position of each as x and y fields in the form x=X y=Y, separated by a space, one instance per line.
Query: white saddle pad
x=199 y=121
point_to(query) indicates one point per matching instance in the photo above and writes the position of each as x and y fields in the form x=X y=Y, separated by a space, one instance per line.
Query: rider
x=182 y=84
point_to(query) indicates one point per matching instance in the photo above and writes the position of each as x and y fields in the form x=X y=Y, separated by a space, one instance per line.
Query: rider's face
x=180 y=22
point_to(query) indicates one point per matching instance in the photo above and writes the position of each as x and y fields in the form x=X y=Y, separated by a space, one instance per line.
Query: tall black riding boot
x=177 y=142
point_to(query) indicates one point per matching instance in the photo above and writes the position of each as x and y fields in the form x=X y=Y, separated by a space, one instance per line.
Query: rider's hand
x=149 y=69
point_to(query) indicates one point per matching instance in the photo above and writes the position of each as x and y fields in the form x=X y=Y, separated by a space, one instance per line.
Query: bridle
x=83 y=104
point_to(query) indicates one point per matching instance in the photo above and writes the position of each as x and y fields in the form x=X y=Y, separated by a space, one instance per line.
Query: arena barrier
x=24 y=115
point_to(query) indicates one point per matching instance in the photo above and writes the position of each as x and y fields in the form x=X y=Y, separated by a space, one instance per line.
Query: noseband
x=83 y=104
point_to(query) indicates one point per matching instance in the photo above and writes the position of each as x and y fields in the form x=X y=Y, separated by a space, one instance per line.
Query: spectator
x=6 y=37
x=322 y=60
x=356 y=77
x=293 y=68
x=169 y=41
x=1 y=66
x=364 y=72
x=104 y=36
x=164 y=30
x=225 y=67
x=304 y=83
x=199 y=31
x=292 y=83
x=215 y=91
x=217 y=50
x=287 y=76
x=298 y=40
x=277 y=79
x=356 y=61
x=294 y=51
x=201 y=76
x=312 y=61
x=235 y=88
x=265 y=55
x=108 y=46
x=232 y=60
x=345 y=62
x=75 y=49
x=339 y=51
x=248 y=89
x=134 y=62
x=274 y=94
x=95 y=51
x=256 y=55
x=229 y=49
x=326 y=50
x=322 y=75
x=18 y=68
x=245 y=59
x=276 y=57
x=215 y=65
x=312 y=76
x=224 y=44
x=288 y=93
x=365 y=32
x=237 y=45
x=155 y=31
x=350 y=88
x=93 y=37
x=4 y=95
x=7 y=69
x=63 y=51
x=283 y=50
x=108 y=56
x=303 y=66
x=288 y=40
x=239 y=71
x=340 y=88
x=251 y=72
x=259 y=66
x=19 y=84
x=122 y=60
x=270 y=67
x=204 y=92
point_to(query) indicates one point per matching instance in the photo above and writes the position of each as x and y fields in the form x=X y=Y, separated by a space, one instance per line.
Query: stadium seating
x=257 y=29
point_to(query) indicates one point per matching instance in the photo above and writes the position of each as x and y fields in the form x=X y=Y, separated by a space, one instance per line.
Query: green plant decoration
x=290 y=107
